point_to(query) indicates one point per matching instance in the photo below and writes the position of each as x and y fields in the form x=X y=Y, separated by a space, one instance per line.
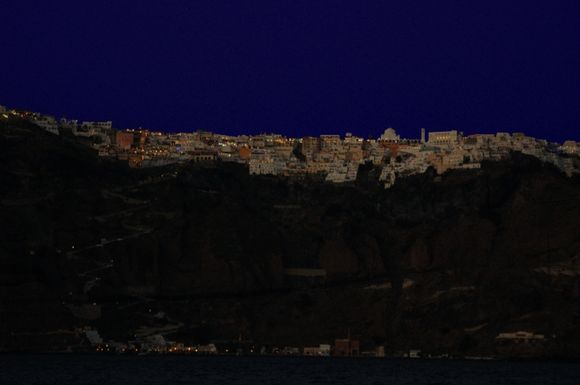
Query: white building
x=521 y=336
x=388 y=176
x=71 y=124
x=265 y=166
x=342 y=172
x=49 y=123
x=100 y=126
x=93 y=337
x=390 y=135
x=94 y=128
x=330 y=143
x=444 y=138
x=352 y=140
x=569 y=147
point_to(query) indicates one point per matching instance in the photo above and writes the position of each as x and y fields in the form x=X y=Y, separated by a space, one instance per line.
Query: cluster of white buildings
x=332 y=157
x=99 y=132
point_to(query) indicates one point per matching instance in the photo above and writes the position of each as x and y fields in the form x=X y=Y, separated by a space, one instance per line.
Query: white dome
x=390 y=134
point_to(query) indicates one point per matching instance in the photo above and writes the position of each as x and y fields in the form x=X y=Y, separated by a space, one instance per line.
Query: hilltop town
x=334 y=158
x=111 y=244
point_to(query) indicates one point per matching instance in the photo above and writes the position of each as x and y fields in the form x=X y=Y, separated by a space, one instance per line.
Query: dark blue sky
x=298 y=67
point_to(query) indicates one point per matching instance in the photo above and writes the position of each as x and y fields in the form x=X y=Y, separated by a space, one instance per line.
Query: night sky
x=298 y=67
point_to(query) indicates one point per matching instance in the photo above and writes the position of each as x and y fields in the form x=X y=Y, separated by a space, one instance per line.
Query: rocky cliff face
x=441 y=264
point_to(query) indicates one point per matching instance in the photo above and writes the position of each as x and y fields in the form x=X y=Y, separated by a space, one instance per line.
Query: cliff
x=443 y=264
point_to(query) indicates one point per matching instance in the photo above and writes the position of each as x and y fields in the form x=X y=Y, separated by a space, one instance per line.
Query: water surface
x=105 y=369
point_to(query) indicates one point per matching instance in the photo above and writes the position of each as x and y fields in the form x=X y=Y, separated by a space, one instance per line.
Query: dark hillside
x=441 y=264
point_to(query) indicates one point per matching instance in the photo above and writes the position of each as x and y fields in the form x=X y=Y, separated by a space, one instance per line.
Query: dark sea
x=104 y=369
